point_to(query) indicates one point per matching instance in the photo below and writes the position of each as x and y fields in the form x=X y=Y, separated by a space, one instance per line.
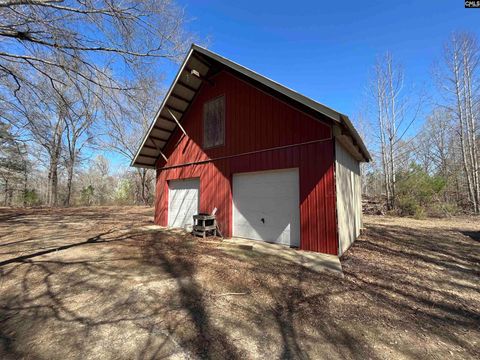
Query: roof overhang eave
x=134 y=163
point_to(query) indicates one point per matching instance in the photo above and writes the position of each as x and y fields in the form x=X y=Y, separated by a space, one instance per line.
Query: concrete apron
x=311 y=260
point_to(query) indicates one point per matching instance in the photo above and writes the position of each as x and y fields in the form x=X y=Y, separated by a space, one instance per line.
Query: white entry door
x=266 y=206
x=182 y=201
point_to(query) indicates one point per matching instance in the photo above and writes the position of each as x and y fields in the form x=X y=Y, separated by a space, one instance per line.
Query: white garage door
x=182 y=201
x=266 y=206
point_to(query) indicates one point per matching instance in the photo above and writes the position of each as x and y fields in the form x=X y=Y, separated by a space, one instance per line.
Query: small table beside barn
x=205 y=223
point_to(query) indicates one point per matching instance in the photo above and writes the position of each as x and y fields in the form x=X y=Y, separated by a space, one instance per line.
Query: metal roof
x=197 y=66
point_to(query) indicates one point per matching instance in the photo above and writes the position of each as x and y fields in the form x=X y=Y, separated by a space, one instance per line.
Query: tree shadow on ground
x=410 y=293
x=92 y=240
x=174 y=255
x=80 y=298
x=475 y=235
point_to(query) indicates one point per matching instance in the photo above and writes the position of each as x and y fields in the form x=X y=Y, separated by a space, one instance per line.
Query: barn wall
x=255 y=121
x=349 y=202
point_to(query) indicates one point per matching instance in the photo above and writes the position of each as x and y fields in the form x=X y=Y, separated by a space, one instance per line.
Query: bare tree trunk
x=460 y=114
x=5 y=200
x=10 y=196
x=392 y=176
x=390 y=112
x=54 y=161
x=392 y=126
x=471 y=134
x=464 y=59
x=383 y=148
x=465 y=163
x=49 y=186
x=25 y=187
x=386 y=177
x=143 y=186
x=70 y=169
x=54 y=182
x=470 y=120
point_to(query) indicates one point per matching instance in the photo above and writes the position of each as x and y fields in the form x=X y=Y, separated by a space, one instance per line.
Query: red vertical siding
x=255 y=121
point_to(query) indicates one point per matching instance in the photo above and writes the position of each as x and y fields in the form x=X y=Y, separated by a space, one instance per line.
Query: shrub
x=31 y=198
x=86 y=195
x=443 y=209
x=418 y=192
x=123 y=192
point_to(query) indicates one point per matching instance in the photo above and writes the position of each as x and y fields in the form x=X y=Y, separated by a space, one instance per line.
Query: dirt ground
x=100 y=283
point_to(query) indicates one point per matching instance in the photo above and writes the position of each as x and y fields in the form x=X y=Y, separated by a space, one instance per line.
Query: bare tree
x=394 y=115
x=434 y=144
x=85 y=39
x=56 y=55
x=77 y=132
x=13 y=163
x=126 y=119
x=459 y=80
x=43 y=115
x=97 y=176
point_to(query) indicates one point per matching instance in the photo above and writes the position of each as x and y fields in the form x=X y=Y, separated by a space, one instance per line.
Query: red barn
x=278 y=166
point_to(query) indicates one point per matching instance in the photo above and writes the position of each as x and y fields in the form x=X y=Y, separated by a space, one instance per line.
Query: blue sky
x=326 y=49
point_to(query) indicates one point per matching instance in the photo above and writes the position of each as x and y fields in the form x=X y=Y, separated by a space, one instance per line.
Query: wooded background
x=426 y=162
x=81 y=80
